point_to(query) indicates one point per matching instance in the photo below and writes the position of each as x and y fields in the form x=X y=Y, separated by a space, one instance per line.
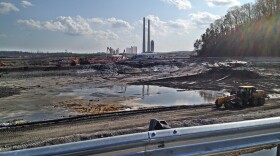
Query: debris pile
x=97 y=106
x=232 y=73
x=165 y=68
x=105 y=108
x=224 y=64
x=13 y=122
x=124 y=69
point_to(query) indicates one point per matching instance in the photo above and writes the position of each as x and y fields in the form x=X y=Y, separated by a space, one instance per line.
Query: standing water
x=147 y=94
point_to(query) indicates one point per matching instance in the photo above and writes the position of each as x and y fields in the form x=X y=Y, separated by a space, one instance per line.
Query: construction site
x=47 y=100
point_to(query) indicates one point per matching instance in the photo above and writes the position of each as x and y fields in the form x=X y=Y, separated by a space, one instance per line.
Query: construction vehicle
x=244 y=96
x=75 y=62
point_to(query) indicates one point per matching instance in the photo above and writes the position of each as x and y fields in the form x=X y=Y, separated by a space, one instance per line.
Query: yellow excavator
x=244 y=96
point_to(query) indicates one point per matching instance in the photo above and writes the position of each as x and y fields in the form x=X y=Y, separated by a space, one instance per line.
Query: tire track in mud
x=102 y=116
x=122 y=123
x=193 y=117
x=12 y=133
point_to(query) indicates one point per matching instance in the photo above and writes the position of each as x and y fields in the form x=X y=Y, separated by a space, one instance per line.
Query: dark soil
x=6 y=91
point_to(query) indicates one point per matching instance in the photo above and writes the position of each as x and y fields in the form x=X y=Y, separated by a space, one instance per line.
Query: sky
x=87 y=26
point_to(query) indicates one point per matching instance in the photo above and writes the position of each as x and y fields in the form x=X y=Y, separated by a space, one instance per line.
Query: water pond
x=147 y=94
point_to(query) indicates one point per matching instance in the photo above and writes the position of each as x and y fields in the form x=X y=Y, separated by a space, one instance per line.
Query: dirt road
x=49 y=133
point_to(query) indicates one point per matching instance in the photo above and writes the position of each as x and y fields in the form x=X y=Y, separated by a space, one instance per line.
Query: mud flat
x=101 y=105
x=186 y=75
x=38 y=96
x=7 y=91
x=127 y=122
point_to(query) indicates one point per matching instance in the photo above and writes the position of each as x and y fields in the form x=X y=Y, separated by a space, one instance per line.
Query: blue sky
x=92 y=25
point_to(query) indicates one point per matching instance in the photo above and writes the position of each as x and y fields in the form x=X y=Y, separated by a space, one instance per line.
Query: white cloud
x=68 y=25
x=31 y=23
x=179 y=24
x=164 y=28
x=213 y=3
x=113 y=22
x=203 y=19
x=26 y=4
x=96 y=21
x=6 y=8
x=117 y=23
x=180 y=4
x=105 y=35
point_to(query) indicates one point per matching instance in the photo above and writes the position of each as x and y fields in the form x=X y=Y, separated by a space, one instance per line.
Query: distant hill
x=5 y=54
x=178 y=54
x=11 y=54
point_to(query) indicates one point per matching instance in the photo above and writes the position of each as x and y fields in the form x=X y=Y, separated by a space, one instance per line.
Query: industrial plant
x=131 y=52
x=148 y=53
x=151 y=44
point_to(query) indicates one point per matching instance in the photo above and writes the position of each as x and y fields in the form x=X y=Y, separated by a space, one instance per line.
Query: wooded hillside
x=248 y=30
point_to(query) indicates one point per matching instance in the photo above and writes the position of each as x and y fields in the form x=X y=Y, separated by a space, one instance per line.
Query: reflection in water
x=170 y=96
x=148 y=90
x=149 y=94
x=208 y=95
x=143 y=92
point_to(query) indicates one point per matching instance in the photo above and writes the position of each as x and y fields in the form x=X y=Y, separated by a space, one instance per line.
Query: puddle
x=31 y=116
x=35 y=108
x=146 y=94
x=38 y=107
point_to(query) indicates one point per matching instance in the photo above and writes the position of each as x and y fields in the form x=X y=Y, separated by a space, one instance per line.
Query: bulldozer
x=244 y=96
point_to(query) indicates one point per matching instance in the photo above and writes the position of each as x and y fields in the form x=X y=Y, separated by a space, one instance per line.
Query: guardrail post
x=278 y=150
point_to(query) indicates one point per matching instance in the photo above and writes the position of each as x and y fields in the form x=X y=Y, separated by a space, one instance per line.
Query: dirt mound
x=211 y=79
x=105 y=108
x=230 y=73
x=214 y=74
x=97 y=106
x=150 y=63
x=6 y=91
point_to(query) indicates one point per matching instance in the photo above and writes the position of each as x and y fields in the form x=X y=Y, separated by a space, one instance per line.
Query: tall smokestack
x=144 y=36
x=149 y=41
x=152 y=46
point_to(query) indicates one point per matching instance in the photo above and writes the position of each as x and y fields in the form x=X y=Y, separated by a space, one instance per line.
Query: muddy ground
x=6 y=91
x=124 y=123
x=24 y=91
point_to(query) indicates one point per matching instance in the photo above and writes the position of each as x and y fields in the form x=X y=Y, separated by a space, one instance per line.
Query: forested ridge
x=247 y=30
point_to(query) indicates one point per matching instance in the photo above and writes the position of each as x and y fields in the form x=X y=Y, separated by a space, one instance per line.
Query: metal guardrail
x=199 y=140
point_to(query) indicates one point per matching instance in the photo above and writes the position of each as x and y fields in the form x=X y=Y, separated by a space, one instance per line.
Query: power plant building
x=149 y=54
x=132 y=50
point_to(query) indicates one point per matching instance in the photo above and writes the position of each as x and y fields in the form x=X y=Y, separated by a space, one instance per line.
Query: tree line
x=247 y=30
x=8 y=54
